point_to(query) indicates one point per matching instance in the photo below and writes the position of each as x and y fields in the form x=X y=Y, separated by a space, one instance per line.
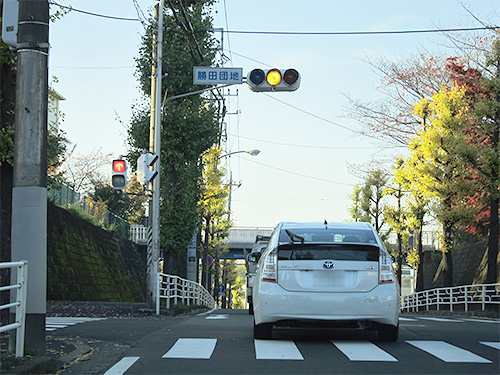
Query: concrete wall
x=87 y=263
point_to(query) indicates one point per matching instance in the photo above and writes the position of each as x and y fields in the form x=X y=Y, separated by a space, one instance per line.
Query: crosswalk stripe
x=363 y=351
x=122 y=365
x=447 y=352
x=192 y=349
x=283 y=350
x=494 y=345
x=217 y=317
x=53 y=323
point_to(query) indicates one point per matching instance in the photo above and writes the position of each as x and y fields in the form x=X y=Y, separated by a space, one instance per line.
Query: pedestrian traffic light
x=119 y=177
x=145 y=168
x=259 y=80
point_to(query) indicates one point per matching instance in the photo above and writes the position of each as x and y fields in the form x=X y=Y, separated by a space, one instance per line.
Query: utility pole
x=155 y=147
x=29 y=193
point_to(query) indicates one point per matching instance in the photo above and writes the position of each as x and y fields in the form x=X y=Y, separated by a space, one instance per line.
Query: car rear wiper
x=294 y=237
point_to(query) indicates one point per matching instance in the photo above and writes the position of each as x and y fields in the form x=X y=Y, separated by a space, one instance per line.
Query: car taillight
x=270 y=271
x=386 y=274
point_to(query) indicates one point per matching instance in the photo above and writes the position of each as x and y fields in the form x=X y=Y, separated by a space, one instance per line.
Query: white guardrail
x=176 y=289
x=453 y=297
x=19 y=304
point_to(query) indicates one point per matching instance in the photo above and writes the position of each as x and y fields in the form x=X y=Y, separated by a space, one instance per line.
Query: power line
x=298 y=174
x=308 y=113
x=95 y=14
x=315 y=33
x=311 y=146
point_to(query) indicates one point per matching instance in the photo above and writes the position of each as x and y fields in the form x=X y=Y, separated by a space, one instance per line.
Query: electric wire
x=70 y=8
x=298 y=174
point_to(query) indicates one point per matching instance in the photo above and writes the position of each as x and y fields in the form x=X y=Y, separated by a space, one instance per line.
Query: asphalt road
x=221 y=342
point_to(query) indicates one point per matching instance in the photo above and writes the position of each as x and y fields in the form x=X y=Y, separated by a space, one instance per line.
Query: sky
x=309 y=145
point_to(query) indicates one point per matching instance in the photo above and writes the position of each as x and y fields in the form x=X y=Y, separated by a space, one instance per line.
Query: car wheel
x=388 y=333
x=262 y=331
x=250 y=308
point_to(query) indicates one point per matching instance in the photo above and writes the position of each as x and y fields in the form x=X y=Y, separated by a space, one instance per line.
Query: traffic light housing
x=260 y=80
x=144 y=163
x=119 y=177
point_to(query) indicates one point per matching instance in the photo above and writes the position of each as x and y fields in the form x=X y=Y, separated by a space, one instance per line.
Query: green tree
x=435 y=167
x=214 y=214
x=416 y=211
x=397 y=218
x=368 y=206
x=189 y=124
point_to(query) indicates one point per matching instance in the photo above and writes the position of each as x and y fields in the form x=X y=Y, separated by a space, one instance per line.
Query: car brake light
x=270 y=271
x=386 y=274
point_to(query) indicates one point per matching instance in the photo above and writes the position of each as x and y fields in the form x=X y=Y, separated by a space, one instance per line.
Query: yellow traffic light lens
x=273 y=77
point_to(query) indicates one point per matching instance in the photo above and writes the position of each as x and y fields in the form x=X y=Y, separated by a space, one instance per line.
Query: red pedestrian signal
x=119 y=177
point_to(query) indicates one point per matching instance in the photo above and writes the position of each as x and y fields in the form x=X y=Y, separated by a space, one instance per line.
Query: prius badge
x=329 y=264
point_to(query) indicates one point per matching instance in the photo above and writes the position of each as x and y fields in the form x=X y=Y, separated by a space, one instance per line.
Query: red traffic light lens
x=291 y=76
x=118 y=165
x=257 y=76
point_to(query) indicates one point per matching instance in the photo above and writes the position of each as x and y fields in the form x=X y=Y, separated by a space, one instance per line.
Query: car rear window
x=353 y=252
x=327 y=235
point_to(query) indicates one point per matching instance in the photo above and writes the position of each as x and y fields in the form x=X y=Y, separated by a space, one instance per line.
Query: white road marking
x=217 y=317
x=407 y=319
x=483 y=321
x=192 y=349
x=285 y=350
x=494 y=345
x=121 y=366
x=363 y=351
x=53 y=323
x=447 y=352
x=441 y=319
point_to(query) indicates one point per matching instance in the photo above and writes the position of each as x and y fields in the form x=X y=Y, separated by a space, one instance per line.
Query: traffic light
x=119 y=178
x=259 y=80
x=144 y=173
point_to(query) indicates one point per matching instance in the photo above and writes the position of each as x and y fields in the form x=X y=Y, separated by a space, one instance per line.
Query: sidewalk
x=62 y=351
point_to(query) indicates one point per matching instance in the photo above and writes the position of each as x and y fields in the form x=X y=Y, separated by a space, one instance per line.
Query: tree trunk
x=399 y=270
x=447 y=261
x=491 y=275
x=420 y=251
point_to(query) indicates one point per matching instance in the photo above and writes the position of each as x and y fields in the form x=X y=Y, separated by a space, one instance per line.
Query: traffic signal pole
x=29 y=193
x=155 y=147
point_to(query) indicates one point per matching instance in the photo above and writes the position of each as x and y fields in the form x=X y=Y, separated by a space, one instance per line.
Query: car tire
x=262 y=331
x=388 y=333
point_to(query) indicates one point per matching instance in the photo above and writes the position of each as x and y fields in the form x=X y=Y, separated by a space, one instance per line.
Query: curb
x=49 y=365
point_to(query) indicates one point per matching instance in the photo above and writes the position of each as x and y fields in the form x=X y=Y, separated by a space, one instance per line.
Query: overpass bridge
x=241 y=239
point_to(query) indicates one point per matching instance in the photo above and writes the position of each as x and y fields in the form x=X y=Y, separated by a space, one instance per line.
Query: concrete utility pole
x=29 y=193
x=155 y=147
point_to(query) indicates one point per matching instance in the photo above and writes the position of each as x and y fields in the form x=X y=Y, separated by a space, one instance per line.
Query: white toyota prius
x=326 y=275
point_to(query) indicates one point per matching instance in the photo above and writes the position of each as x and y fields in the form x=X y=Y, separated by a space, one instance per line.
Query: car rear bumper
x=274 y=304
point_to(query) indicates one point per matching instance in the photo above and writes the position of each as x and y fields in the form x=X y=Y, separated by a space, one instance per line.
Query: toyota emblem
x=329 y=264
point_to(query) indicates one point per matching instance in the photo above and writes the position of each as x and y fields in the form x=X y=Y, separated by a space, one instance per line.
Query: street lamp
x=251 y=152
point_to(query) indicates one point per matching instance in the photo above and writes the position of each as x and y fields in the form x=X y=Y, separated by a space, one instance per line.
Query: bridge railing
x=482 y=295
x=19 y=302
x=175 y=289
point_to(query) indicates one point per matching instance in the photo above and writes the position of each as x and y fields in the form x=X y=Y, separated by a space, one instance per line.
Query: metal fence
x=19 y=302
x=460 y=297
x=64 y=196
x=174 y=289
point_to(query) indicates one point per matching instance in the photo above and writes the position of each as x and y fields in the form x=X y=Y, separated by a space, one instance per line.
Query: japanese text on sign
x=216 y=76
